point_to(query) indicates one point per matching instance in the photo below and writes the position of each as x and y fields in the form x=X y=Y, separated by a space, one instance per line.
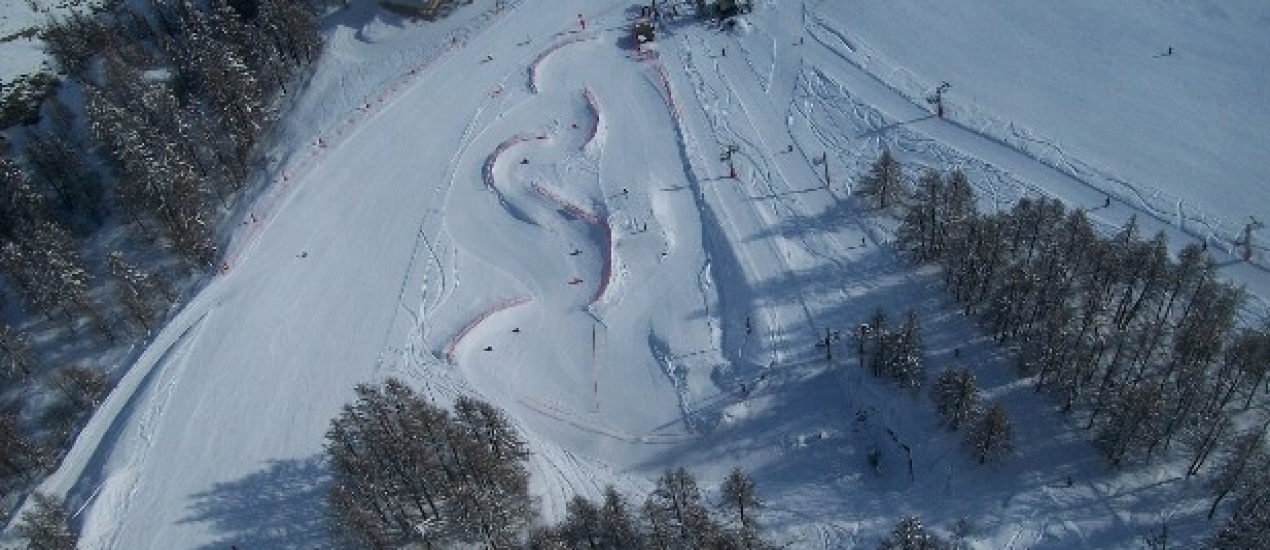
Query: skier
x=581 y=22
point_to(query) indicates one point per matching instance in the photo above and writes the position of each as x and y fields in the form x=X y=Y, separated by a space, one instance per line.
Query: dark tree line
x=409 y=472
x=675 y=515
x=179 y=102
x=1144 y=344
x=894 y=354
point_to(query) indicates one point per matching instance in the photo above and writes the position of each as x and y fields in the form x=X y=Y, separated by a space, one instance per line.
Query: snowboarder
x=489 y=348
x=488 y=58
x=516 y=330
x=304 y=254
x=575 y=252
x=581 y=22
x=524 y=161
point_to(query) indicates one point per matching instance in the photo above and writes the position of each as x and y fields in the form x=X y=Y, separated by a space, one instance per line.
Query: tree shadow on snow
x=280 y=507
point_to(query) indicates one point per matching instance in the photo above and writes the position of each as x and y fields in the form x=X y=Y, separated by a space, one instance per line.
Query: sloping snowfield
x=508 y=203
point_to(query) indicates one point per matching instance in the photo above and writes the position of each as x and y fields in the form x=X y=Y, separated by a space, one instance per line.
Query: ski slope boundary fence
x=499 y=306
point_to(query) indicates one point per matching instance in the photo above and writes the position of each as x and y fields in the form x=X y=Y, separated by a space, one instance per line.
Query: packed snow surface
x=510 y=204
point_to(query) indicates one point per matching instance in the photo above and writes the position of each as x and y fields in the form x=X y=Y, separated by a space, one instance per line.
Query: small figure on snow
x=524 y=161
x=488 y=58
x=1106 y=201
x=581 y=22
x=575 y=252
x=304 y=254
x=516 y=330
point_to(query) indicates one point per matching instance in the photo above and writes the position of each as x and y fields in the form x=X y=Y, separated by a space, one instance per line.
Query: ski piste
x=421 y=217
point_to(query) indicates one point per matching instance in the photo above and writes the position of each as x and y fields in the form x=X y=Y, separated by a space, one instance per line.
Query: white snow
x=505 y=204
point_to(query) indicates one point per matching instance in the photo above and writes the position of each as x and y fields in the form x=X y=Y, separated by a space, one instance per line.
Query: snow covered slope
x=1158 y=102
x=508 y=203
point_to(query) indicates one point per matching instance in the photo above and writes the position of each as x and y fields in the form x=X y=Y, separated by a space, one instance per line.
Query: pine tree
x=909 y=534
x=619 y=527
x=885 y=183
x=991 y=435
x=676 y=513
x=19 y=455
x=144 y=296
x=17 y=359
x=956 y=397
x=61 y=165
x=1250 y=521
x=905 y=364
x=741 y=501
x=581 y=526
x=1133 y=420
x=1246 y=460
x=47 y=268
x=45 y=526
x=919 y=232
x=83 y=386
x=21 y=205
